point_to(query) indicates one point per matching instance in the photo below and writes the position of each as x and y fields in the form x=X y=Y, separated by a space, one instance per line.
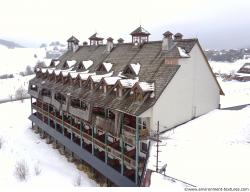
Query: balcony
x=79 y=112
x=113 y=149
x=131 y=131
x=105 y=124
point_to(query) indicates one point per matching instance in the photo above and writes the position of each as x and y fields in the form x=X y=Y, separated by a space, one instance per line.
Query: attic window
x=105 y=67
x=132 y=69
x=80 y=67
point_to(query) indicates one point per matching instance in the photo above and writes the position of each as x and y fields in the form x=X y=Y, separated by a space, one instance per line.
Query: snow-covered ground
x=210 y=151
x=236 y=92
x=21 y=143
x=225 y=67
x=9 y=86
x=16 y=60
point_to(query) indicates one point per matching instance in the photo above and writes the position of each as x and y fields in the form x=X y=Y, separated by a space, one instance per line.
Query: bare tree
x=37 y=169
x=22 y=170
x=20 y=93
x=1 y=142
x=78 y=180
x=28 y=71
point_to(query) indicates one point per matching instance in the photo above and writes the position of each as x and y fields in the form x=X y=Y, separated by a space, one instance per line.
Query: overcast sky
x=217 y=23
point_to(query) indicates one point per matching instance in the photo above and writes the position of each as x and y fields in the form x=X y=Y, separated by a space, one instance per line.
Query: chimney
x=73 y=44
x=167 y=41
x=120 y=40
x=178 y=36
x=110 y=44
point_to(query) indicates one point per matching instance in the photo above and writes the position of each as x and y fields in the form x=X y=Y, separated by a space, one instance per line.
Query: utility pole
x=157 y=147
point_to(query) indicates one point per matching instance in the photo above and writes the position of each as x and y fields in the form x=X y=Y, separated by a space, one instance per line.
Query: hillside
x=10 y=44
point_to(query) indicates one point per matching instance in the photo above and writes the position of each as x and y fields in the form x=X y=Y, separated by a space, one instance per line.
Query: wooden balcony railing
x=110 y=149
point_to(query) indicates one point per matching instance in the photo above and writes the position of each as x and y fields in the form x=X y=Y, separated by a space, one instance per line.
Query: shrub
x=78 y=180
x=20 y=93
x=22 y=170
x=1 y=142
x=37 y=169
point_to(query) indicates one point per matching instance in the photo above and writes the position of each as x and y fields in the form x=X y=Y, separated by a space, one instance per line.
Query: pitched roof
x=73 y=39
x=154 y=75
x=94 y=37
x=245 y=68
x=140 y=31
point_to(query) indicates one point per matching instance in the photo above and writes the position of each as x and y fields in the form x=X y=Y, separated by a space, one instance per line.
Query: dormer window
x=105 y=67
x=68 y=64
x=132 y=69
x=54 y=63
x=80 y=67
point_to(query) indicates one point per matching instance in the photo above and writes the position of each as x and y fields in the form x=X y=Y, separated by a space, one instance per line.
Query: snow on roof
x=247 y=66
x=50 y=70
x=128 y=83
x=147 y=86
x=97 y=78
x=74 y=74
x=56 y=62
x=111 y=80
x=242 y=74
x=136 y=67
x=182 y=52
x=84 y=76
x=71 y=63
x=57 y=72
x=107 y=66
x=44 y=70
x=65 y=73
x=87 y=63
x=120 y=75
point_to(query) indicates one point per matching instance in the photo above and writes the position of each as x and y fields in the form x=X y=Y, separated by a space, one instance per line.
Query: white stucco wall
x=192 y=92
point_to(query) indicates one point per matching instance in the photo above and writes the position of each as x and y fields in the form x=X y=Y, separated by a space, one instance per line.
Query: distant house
x=99 y=103
x=243 y=74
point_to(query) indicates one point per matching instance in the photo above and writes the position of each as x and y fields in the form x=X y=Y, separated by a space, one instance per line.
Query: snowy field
x=236 y=92
x=21 y=143
x=14 y=61
x=210 y=151
x=10 y=85
x=225 y=67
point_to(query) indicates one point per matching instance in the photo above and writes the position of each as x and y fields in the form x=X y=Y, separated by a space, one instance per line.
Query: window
x=60 y=98
x=46 y=92
x=33 y=87
x=144 y=147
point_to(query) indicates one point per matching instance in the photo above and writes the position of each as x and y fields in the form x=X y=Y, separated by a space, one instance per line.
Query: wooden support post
x=93 y=149
x=71 y=135
x=106 y=148
x=122 y=139
x=32 y=124
x=48 y=116
x=137 y=148
x=157 y=147
x=62 y=124
x=81 y=130
x=31 y=105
